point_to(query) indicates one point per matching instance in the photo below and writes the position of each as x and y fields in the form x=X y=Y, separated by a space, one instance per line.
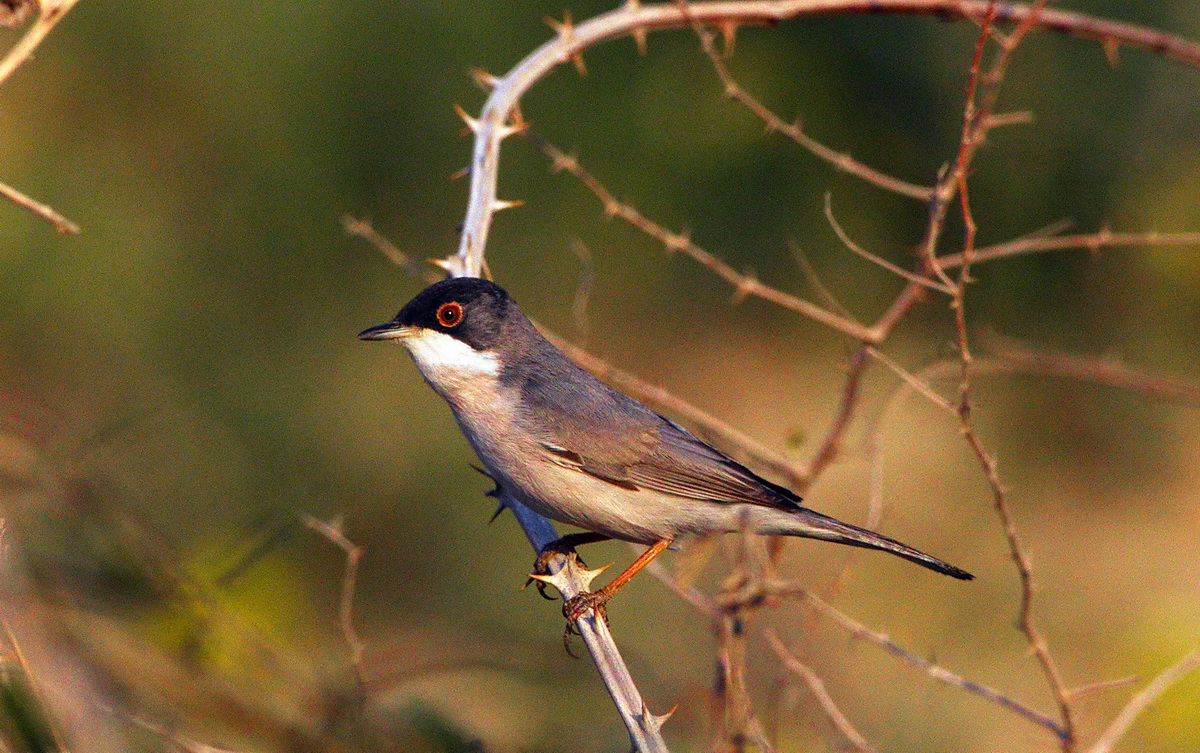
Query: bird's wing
x=685 y=466
x=590 y=427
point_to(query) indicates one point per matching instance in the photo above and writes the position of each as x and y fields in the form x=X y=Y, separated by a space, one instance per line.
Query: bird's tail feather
x=814 y=525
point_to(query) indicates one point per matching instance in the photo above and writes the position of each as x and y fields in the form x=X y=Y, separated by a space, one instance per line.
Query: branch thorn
x=472 y=123
x=483 y=79
x=500 y=204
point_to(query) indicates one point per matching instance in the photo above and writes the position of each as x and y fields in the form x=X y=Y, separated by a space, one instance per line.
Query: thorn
x=1112 y=51
x=450 y=263
x=577 y=59
x=728 y=36
x=500 y=204
x=518 y=125
x=472 y=123
x=558 y=580
x=565 y=27
x=745 y=286
x=657 y=721
x=461 y=173
x=587 y=576
x=483 y=79
x=639 y=38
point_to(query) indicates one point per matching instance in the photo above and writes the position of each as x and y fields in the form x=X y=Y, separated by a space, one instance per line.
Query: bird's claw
x=579 y=605
x=541 y=565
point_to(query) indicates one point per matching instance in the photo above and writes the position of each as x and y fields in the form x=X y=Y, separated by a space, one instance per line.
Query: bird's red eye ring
x=449 y=314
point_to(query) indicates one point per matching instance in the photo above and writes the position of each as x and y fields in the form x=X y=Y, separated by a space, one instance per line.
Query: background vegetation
x=180 y=383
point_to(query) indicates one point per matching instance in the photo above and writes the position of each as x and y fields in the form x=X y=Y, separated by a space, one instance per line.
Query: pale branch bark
x=496 y=121
x=570 y=579
x=45 y=211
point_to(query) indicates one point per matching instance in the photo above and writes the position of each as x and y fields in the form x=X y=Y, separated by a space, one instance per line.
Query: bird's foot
x=541 y=565
x=578 y=606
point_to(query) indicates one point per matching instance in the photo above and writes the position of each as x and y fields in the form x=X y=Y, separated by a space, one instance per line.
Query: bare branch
x=333 y=531
x=1139 y=702
x=849 y=243
x=570 y=579
x=817 y=686
x=933 y=670
x=45 y=211
x=793 y=131
x=744 y=285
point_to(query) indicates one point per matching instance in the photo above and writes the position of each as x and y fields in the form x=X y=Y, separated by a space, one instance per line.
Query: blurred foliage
x=181 y=382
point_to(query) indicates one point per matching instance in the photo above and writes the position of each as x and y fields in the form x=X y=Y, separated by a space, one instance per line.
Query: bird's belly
x=640 y=516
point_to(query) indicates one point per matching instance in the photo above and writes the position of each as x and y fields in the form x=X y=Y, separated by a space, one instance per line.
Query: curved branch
x=495 y=122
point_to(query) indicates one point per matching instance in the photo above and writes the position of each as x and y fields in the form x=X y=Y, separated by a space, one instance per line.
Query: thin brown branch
x=849 y=243
x=333 y=530
x=45 y=211
x=1096 y=687
x=1159 y=685
x=795 y=132
x=933 y=670
x=831 y=445
x=817 y=687
x=976 y=123
x=1013 y=355
x=744 y=285
x=361 y=228
x=1084 y=241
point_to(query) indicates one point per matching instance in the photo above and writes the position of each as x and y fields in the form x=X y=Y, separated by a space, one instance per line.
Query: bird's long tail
x=814 y=525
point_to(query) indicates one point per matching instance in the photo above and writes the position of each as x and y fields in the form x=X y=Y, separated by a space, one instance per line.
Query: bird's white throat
x=451 y=367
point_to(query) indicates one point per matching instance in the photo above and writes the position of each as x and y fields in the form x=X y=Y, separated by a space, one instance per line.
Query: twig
x=50 y=12
x=795 y=132
x=976 y=122
x=744 y=285
x=1087 y=241
x=933 y=670
x=333 y=530
x=1139 y=702
x=817 y=686
x=849 y=243
x=45 y=211
x=361 y=228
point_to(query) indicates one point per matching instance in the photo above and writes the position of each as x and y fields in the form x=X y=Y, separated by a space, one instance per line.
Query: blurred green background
x=181 y=382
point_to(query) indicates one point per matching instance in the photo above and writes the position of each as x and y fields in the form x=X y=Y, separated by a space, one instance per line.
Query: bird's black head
x=466 y=308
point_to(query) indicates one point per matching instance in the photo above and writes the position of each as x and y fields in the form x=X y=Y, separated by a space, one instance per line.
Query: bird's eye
x=449 y=314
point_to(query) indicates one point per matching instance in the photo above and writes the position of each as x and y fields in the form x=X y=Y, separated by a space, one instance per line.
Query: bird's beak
x=389 y=331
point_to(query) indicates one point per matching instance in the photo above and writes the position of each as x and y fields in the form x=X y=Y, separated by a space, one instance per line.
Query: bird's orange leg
x=575 y=607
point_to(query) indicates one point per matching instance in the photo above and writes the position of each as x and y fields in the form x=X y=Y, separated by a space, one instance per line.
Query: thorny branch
x=501 y=118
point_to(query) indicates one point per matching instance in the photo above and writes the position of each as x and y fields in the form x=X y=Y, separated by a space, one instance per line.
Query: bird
x=578 y=451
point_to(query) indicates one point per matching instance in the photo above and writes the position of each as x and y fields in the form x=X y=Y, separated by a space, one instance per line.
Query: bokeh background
x=180 y=383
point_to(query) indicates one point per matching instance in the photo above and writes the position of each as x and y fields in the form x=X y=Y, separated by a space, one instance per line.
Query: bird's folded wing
x=681 y=465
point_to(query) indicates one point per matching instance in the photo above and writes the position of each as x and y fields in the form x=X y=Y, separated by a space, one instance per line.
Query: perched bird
x=578 y=451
